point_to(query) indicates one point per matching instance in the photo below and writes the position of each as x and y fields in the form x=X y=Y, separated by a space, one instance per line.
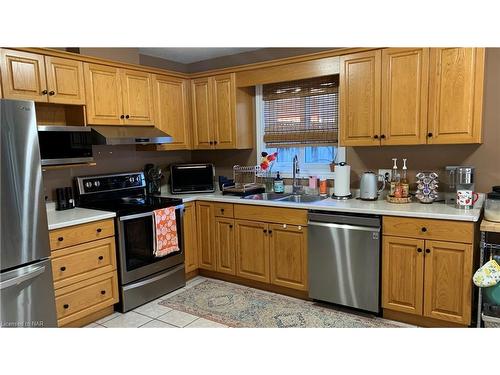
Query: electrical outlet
x=387 y=173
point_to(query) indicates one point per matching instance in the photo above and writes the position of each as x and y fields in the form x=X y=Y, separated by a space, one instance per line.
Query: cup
x=466 y=198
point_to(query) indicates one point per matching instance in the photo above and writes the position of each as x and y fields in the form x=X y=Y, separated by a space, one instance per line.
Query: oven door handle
x=136 y=216
x=154 y=234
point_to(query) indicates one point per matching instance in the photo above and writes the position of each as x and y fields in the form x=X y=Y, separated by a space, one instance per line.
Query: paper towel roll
x=342 y=177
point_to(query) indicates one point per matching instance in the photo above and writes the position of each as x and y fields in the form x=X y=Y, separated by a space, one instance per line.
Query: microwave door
x=192 y=178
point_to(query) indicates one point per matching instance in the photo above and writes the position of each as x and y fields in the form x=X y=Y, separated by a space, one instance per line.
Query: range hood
x=129 y=135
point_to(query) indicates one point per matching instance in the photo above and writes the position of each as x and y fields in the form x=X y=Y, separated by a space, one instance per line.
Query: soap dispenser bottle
x=279 y=186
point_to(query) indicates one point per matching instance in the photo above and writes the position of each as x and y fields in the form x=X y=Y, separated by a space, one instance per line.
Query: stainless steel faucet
x=296 y=187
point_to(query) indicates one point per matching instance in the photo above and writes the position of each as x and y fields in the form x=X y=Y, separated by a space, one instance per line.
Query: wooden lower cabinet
x=206 y=231
x=252 y=250
x=224 y=245
x=402 y=274
x=190 y=237
x=288 y=255
x=428 y=279
x=448 y=281
x=85 y=277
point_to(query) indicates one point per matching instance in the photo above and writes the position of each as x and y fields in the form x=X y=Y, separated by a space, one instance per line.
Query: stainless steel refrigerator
x=26 y=289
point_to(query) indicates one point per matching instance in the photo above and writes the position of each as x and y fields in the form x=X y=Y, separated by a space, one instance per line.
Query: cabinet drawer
x=80 y=262
x=81 y=299
x=224 y=210
x=271 y=214
x=445 y=230
x=77 y=234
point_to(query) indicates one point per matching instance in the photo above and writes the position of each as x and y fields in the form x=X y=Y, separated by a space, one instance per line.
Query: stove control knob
x=138 y=178
x=97 y=183
x=131 y=179
x=88 y=184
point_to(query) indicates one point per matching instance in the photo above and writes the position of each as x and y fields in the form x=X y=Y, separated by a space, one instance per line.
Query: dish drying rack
x=245 y=181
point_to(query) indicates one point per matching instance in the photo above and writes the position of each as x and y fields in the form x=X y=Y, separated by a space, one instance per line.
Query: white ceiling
x=191 y=55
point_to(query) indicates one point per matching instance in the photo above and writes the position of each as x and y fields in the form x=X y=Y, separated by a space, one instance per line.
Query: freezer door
x=27 y=297
x=24 y=231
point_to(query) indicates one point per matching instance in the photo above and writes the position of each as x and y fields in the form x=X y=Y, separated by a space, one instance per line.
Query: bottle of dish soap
x=279 y=185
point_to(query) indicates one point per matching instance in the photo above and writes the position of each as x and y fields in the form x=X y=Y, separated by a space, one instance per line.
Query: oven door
x=136 y=245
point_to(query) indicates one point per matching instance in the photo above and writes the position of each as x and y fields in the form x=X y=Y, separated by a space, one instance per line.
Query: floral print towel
x=166 y=232
x=488 y=275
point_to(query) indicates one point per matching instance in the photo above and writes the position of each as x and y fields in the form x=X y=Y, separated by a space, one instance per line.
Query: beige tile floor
x=153 y=315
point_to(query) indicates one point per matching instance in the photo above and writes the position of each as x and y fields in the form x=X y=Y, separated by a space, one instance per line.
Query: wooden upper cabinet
x=137 y=91
x=224 y=102
x=360 y=99
x=172 y=110
x=206 y=222
x=23 y=75
x=288 y=256
x=65 y=81
x=448 y=281
x=224 y=245
x=203 y=132
x=456 y=95
x=103 y=93
x=252 y=250
x=190 y=237
x=403 y=274
x=405 y=80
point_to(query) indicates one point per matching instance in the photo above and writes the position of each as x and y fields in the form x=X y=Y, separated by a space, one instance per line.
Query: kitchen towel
x=166 y=232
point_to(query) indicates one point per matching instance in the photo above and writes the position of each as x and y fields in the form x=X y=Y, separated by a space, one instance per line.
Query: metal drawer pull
x=424 y=229
x=265 y=230
x=63 y=268
x=270 y=231
x=99 y=230
x=103 y=292
x=66 y=306
x=60 y=239
x=427 y=251
x=419 y=250
x=101 y=257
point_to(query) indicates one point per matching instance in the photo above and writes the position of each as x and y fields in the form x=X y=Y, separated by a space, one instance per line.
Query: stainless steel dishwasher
x=344 y=259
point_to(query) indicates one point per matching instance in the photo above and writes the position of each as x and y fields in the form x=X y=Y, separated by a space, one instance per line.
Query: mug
x=466 y=198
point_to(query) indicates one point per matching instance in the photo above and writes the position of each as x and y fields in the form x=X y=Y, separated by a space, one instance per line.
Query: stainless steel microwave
x=65 y=144
x=192 y=178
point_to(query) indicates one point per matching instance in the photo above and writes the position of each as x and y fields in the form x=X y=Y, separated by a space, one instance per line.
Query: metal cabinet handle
x=230 y=226
x=63 y=268
x=21 y=278
x=211 y=142
x=382 y=136
x=127 y=116
x=100 y=257
x=60 y=239
x=52 y=93
x=103 y=292
x=375 y=136
x=270 y=231
x=265 y=230
x=66 y=306
x=215 y=142
x=429 y=135
x=122 y=116
x=427 y=251
x=99 y=230
x=419 y=250
x=44 y=92
x=424 y=229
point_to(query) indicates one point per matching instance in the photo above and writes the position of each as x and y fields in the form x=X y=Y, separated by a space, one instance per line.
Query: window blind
x=301 y=113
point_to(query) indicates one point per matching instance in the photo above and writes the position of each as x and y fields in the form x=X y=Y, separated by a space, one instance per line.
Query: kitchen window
x=299 y=118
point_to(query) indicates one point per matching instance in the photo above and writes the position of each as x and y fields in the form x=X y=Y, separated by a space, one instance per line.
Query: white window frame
x=309 y=169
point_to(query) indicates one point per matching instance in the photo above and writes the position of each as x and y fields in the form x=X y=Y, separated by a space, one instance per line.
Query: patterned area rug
x=239 y=306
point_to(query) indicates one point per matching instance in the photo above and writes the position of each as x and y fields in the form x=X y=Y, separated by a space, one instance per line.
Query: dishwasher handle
x=356 y=220
x=343 y=226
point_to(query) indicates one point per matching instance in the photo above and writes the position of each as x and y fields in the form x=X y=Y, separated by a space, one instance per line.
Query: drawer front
x=77 y=234
x=80 y=262
x=78 y=300
x=444 y=230
x=271 y=214
x=224 y=210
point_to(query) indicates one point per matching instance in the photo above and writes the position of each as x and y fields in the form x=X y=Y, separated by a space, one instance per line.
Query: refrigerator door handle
x=21 y=278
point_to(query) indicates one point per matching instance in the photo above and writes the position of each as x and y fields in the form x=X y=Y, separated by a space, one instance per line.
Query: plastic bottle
x=278 y=185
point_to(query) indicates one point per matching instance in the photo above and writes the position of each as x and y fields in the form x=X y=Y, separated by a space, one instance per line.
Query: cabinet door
x=448 y=281
x=224 y=102
x=205 y=220
x=456 y=95
x=23 y=76
x=402 y=274
x=405 y=83
x=203 y=133
x=190 y=237
x=252 y=250
x=360 y=99
x=65 y=80
x=288 y=256
x=172 y=110
x=137 y=91
x=103 y=95
x=224 y=245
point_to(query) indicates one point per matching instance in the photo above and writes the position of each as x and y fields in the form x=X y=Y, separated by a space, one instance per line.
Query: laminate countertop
x=436 y=210
x=74 y=216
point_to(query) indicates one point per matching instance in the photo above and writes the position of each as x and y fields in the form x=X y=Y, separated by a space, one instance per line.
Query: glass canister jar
x=492 y=205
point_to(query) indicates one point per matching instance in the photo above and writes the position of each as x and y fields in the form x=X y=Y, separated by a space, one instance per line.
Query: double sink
x=296 y=198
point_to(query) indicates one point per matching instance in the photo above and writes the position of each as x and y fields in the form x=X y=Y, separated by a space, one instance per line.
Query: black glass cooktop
x=131 y=205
